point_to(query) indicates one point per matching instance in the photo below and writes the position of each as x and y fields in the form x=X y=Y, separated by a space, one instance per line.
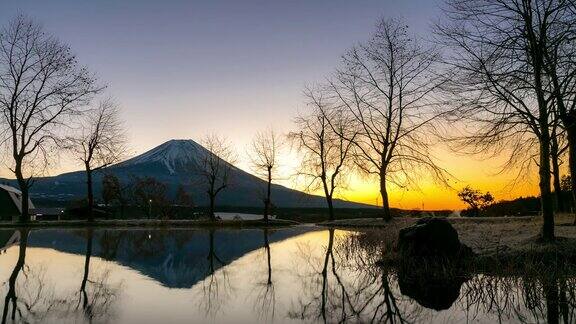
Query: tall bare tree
x=497 y=51
x=325 y=141
x=264 y=157
x=557 y=150
x=216 y=167
x=560 y=67
x=100 y=143
x=41 y=85
x=387 y=87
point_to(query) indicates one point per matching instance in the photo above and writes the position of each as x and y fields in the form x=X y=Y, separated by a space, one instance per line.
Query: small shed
x=11 y=203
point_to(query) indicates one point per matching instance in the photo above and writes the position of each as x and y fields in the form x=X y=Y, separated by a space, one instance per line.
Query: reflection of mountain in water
x=175 y=258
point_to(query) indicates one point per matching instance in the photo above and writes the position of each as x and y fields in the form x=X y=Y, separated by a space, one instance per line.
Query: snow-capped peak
x=170 y=154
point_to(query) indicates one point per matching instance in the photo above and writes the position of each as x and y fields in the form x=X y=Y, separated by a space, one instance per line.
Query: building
x=11 y=203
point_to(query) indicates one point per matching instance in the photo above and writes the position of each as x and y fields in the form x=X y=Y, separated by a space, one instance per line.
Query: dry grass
x=486 y=236
x=502 y=247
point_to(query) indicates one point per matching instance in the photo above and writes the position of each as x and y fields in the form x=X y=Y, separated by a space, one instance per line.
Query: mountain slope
x=176 y=163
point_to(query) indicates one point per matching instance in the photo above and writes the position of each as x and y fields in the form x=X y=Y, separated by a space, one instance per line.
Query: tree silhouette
x=215 y=168
x=325 y=140
x=264 y=156
x=43 y=87
x=497 y=76
x=475 y=199
x=100 y=143
x=386 y=87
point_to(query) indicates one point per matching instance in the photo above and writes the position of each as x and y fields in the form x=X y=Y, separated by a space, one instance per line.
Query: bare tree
x=497 y=51
x=100 y=143
x=41 y=85
x=387 y=87
x=557 y=150
x=264 y=158
x=151 y=196
x=113 y=191
x=216 y=167
x=560 y=67
x=324 y=140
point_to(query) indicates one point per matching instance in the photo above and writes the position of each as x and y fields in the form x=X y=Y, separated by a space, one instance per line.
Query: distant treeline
x=523 y=206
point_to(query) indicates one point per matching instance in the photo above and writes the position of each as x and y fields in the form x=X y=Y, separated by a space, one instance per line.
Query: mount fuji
x=175 y=163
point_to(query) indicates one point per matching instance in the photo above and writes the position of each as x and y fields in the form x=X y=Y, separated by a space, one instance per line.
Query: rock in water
x=434 y=290
x=431 y=237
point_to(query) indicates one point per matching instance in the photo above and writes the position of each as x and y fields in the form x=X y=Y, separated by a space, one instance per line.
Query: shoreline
x=147 y=223
x=503 y=239
x=379 y=223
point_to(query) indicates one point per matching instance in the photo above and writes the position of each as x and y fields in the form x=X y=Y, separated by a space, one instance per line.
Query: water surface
x=301 y=274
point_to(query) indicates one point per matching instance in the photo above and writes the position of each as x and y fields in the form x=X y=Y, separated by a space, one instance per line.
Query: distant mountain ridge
x=175 y=163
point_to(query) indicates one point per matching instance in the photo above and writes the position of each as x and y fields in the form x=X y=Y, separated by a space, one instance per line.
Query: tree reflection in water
x=345 y=284
x=337 y=280
x=11 y=298
x=96 y=295
x=216 y=284
x=547 y=298
x=32 y=297
x=265 y=299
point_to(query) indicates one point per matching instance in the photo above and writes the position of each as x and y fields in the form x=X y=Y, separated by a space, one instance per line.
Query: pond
x=292 y=275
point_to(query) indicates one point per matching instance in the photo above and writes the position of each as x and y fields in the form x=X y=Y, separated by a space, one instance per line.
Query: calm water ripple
x=301 y=274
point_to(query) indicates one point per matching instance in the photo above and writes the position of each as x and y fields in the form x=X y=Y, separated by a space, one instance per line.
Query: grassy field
x=498 y=235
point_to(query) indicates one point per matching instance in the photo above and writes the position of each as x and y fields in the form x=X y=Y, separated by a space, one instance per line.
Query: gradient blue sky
x=182 y=68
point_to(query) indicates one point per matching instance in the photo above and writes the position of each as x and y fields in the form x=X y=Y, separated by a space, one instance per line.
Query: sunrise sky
x=182 y=68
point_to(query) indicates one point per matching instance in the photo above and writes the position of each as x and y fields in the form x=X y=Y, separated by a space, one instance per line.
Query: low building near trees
x=11 y=203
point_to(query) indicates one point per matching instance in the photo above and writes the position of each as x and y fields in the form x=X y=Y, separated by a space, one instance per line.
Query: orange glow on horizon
x=467 y=170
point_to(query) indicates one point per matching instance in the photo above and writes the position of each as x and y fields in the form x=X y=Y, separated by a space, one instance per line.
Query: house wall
x=7 y=208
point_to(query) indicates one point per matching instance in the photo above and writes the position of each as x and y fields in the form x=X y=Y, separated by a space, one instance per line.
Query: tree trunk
x=90 y=193
x=556 y=176
x=24 y=189
x=25 y=216
x=547 y=234
x=268 y=256
x=536 y=49
x=386 y=215
x=551 y=295
x=325 y=273
x=328 y=194
x=571 y=132
x=211 y=210
x=89 y=233
x=268 y=195
x=330 y=208
x=211 y=252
